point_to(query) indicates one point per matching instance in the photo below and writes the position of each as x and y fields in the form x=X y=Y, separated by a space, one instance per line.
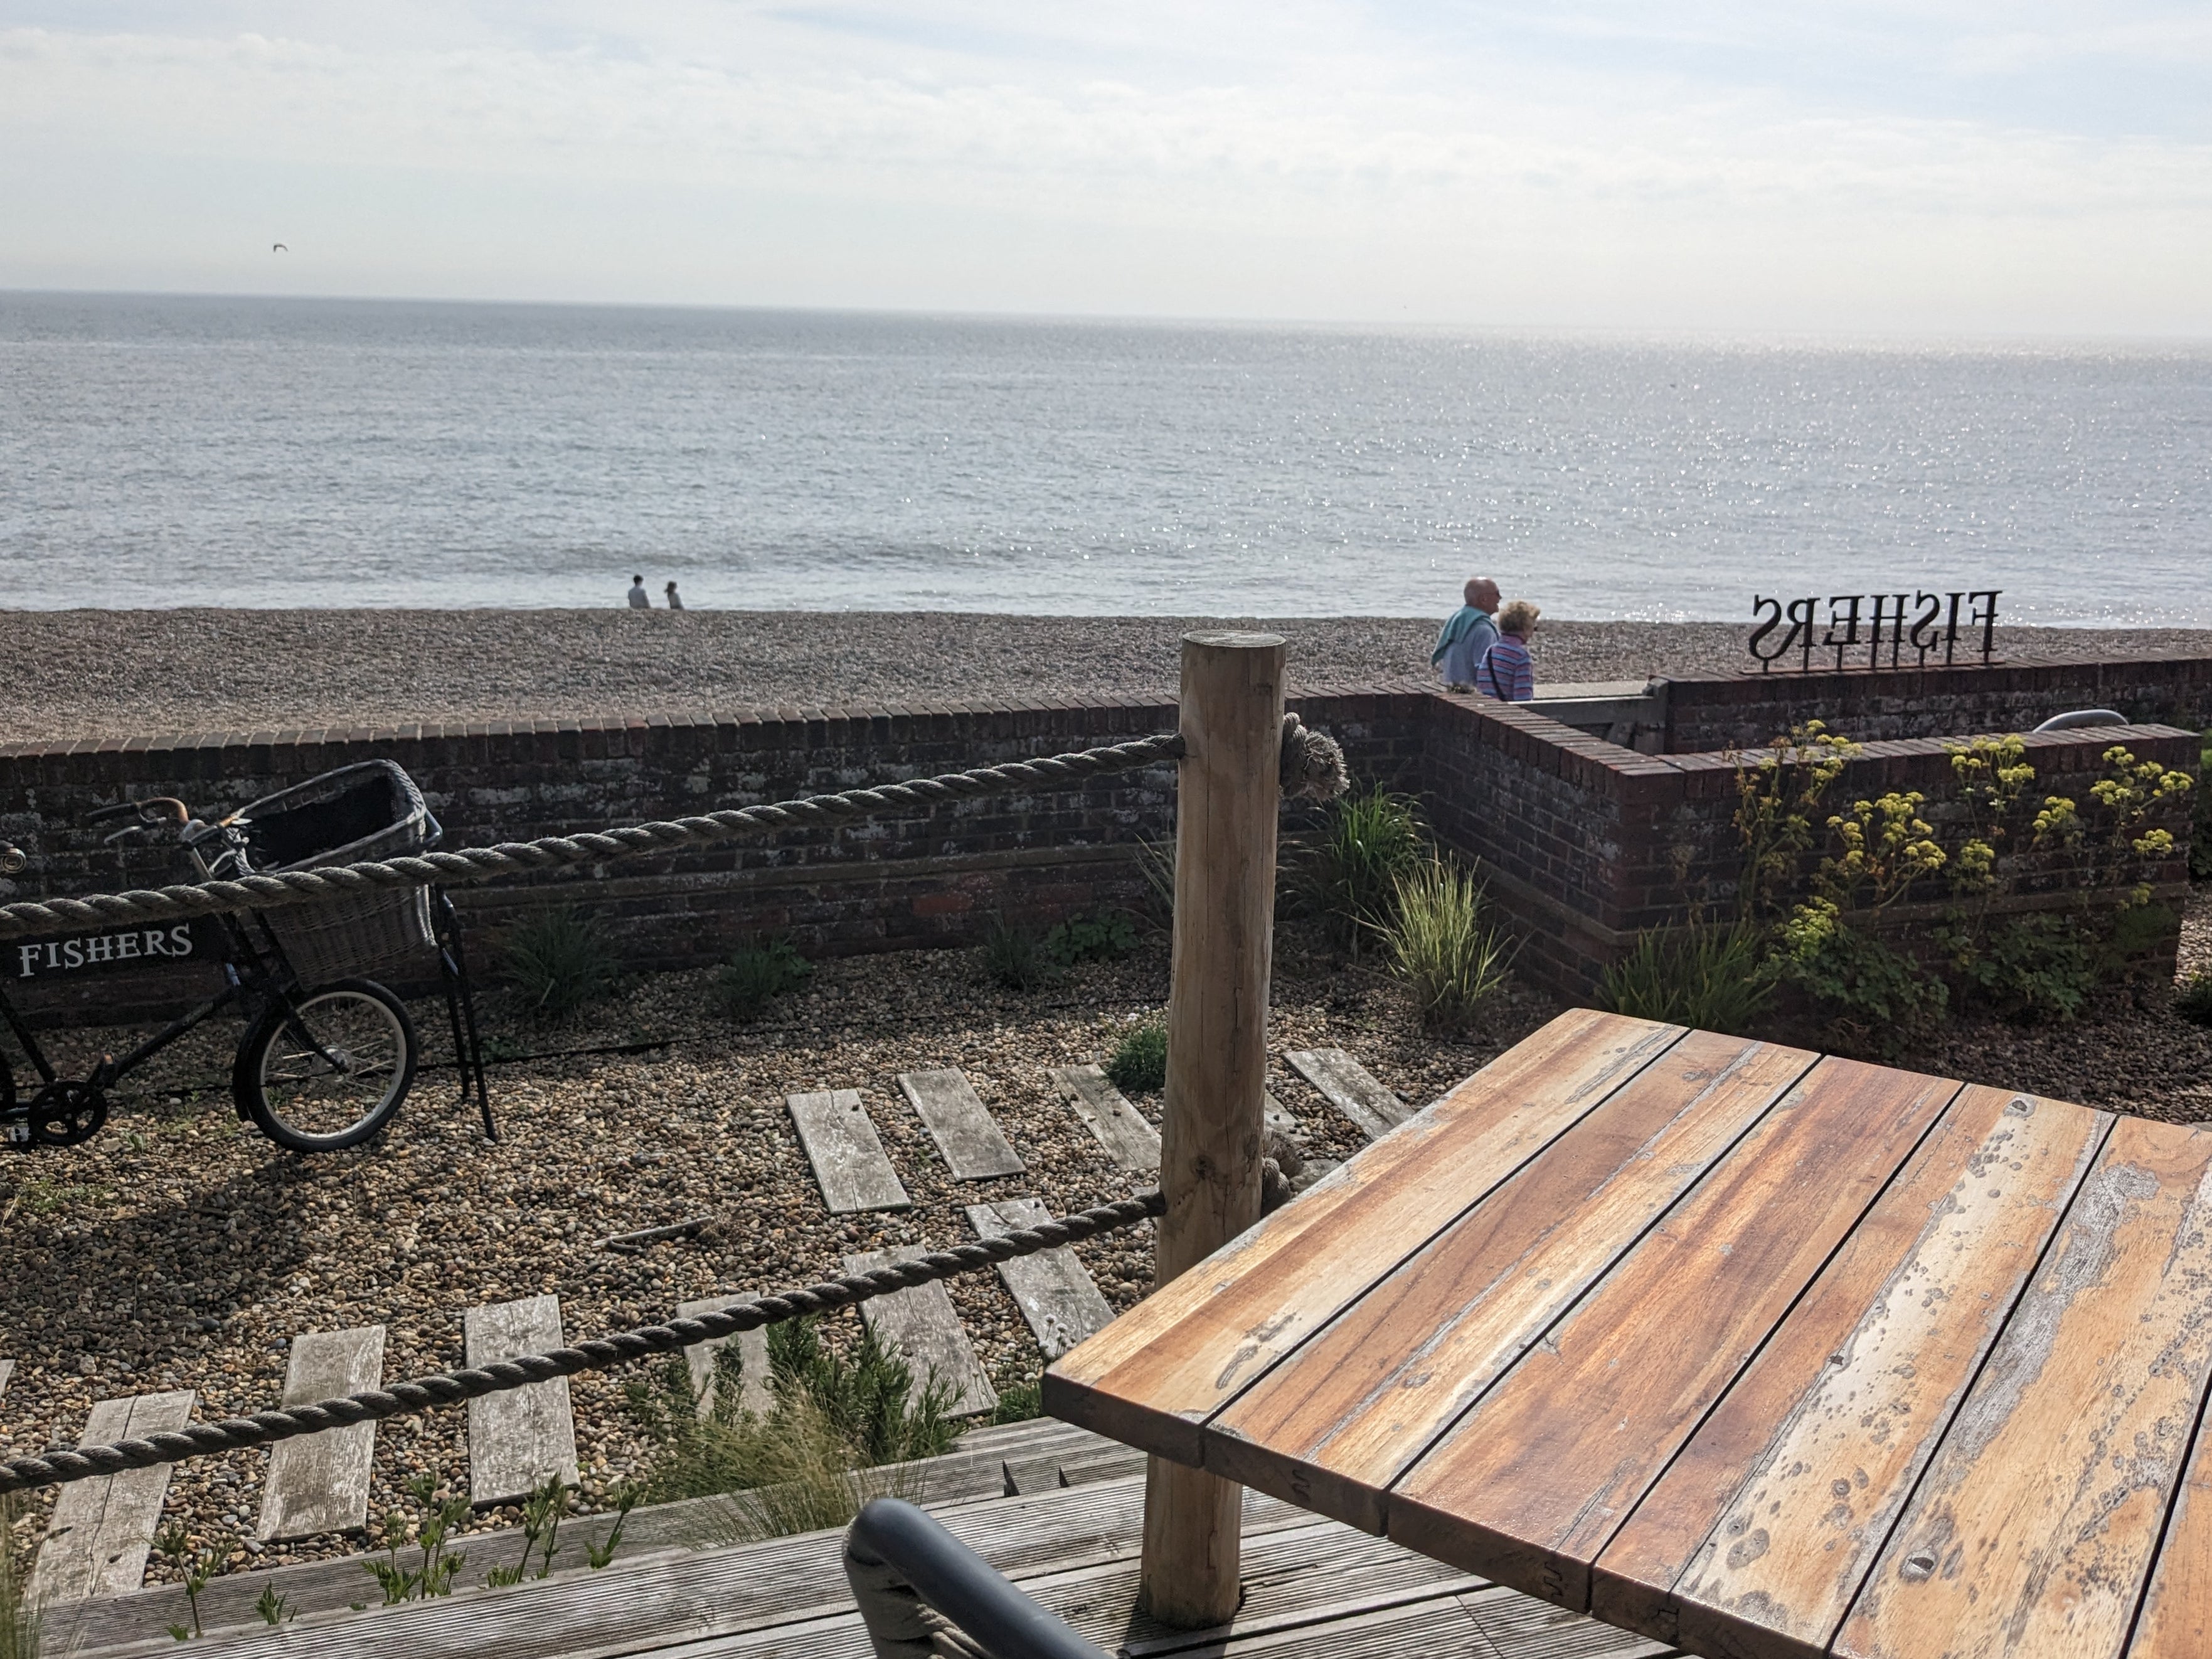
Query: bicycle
x=328 y=1056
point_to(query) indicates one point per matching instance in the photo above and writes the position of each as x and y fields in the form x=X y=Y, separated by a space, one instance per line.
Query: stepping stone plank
x=1051 y=1288
x=519 y=1437
x=921 y=1324
x=103 y=1528
x=753 y=1393
x=1348 y=1086
x=319 y=1482
x=962 y=1128
x=7 y=1369
x=1120 y=1128
x=841 y=1142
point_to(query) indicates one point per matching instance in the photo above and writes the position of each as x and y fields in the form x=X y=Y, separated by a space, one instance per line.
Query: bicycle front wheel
x=330 y=1071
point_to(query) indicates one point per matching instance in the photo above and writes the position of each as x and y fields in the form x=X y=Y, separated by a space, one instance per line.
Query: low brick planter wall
x=1584 y=841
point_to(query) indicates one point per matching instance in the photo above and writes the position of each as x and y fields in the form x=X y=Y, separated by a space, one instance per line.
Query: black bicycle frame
x=256 y=981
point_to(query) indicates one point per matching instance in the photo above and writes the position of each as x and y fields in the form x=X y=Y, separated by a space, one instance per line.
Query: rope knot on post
x=1313 y=763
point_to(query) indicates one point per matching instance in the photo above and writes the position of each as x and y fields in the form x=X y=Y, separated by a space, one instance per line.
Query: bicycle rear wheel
x=330 y=1071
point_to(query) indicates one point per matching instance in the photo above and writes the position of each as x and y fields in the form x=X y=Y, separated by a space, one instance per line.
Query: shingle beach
x=72 y=674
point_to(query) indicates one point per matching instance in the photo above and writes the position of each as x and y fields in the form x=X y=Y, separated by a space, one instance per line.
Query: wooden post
x=1211 y=1145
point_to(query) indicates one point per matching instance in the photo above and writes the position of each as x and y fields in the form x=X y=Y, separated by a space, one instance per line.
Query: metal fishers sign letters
x=1872 y=622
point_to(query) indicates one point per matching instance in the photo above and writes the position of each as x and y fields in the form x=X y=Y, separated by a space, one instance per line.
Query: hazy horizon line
x=1163 y=320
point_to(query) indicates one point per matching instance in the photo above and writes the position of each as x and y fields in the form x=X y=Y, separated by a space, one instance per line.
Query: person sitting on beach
x=674 y=603
x=638 y=599
x=1507 y=673
x=1468 y=634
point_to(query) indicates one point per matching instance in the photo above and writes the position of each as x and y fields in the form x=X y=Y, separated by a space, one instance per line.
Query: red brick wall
x=1742 y=711
x=1583 y=843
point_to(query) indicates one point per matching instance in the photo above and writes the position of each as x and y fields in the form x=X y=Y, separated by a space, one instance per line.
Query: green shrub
x=1439 y=941
x=559 y=962
x=1877 y=998
x=1015 y=957
x=1101 y=938
x=795 y=1468
x=2192 y=998
x=1350 y=873
x=755 y=975
x=2033 y=968
x=1138 y=1064
x=1705 y=975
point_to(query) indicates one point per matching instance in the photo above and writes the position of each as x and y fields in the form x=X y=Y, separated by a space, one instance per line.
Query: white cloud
x=1311 y=159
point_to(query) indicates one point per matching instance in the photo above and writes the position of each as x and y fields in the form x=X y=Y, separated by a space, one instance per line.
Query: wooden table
x=1740 y=1347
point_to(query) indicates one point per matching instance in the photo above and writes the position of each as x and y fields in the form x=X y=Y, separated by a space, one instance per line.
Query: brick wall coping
x=1995 y=665
x=626 y=726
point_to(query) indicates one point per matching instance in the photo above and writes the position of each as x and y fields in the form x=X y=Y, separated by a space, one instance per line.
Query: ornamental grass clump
x=755 y=976
x=1708 y=975
x=1350 y=873
x=1015 y=957
x=558 y=960
x=804 y=1464
x=19 y=1619
x=1440 y=942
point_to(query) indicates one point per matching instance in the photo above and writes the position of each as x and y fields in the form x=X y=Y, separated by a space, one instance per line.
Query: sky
x=1946 y=167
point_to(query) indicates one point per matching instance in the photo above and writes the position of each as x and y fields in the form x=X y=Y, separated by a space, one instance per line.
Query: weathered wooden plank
x=1277 y=1117
x=1533 y=1481
x=961 y=1477
x=696 y=1595
x=2031 y=1533
x=7 y=1371
x=753 y=1392
x=1120 y=1128
x=958 y=1122
x=102 y=1529
x=2176 y=1621
x=847 y=1156
x=319 y=1482
x=1521 y=1627
x=1158 y=1371
x=921 y=1324
x=1332 y=1427
x=1351 y=1088
x=1765 y=1525
x=1053 y=1288
x=519 y=1437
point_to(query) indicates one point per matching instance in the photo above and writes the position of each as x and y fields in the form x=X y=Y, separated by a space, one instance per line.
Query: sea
x=161 y=451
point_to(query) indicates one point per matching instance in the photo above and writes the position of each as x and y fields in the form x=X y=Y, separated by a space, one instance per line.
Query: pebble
x=193 y=1262
x=128 y=674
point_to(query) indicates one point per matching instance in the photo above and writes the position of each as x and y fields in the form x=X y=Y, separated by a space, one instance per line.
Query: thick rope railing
x=475 y=863
x=60 y=1467
x=1312 y=766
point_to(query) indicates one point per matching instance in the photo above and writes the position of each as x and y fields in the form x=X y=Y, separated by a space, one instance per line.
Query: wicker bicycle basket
x=352 y=816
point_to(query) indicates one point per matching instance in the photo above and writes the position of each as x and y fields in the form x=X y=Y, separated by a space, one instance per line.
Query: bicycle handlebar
x=156 y=809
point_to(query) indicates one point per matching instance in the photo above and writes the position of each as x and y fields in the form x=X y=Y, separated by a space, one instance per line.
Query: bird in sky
x=278 y=247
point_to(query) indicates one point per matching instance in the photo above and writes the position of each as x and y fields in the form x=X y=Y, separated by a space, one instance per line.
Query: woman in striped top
x=1507 y=673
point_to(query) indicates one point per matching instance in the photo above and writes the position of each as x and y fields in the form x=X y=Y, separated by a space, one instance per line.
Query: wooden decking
x=1315 y=1588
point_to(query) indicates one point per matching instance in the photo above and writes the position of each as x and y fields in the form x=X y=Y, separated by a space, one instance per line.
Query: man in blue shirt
x=1469 y=634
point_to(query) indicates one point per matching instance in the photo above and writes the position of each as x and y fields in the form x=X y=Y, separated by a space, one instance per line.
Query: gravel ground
x=106 y=673
x=180 y=1249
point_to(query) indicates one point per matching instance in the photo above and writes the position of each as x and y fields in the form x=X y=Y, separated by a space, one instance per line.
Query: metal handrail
x=900 y=1560
x=2076 y=718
